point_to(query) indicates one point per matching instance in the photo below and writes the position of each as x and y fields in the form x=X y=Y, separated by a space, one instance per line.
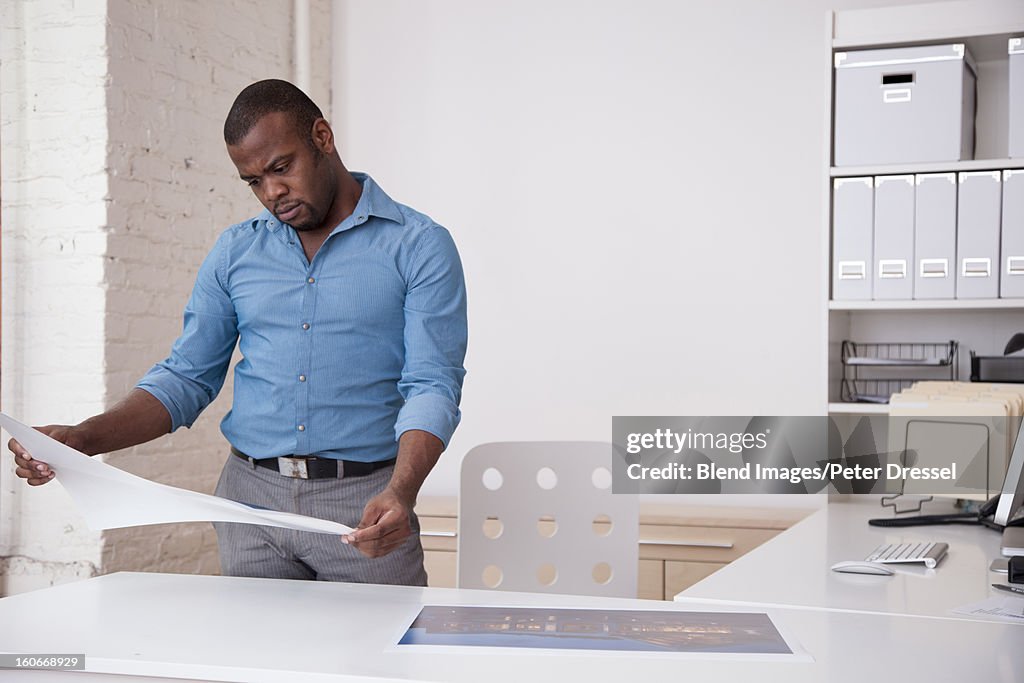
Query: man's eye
x=254 y=182
x=281 y=170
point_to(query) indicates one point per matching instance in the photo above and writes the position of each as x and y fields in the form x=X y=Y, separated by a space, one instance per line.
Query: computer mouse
x=862 y=567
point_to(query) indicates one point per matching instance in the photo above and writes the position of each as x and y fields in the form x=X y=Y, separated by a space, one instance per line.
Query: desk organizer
x=997 y=368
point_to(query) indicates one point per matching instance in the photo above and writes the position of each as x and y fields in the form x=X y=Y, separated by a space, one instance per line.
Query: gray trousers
x=271 y=552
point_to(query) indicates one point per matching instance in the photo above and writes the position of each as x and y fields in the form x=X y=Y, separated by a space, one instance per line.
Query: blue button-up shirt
x=340 y=355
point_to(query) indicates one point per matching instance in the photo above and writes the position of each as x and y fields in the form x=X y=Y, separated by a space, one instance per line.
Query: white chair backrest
x=540 y=517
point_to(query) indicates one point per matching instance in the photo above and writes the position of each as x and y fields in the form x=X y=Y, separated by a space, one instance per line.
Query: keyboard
x=928 y=554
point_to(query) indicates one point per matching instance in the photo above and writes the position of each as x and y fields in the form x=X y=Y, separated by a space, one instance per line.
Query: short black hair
x=262 y=98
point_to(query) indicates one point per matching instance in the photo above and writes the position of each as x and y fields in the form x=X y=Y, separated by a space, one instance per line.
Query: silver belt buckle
x=293 y=467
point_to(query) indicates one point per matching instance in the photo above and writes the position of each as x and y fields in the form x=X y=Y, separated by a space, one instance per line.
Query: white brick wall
x=53 y=65
x=105 y=224
x=175 y=68
x=321 y=56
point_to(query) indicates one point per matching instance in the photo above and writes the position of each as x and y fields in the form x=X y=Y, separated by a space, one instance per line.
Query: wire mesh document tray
x=874 y=371
x=872 y=390
x=899 y=354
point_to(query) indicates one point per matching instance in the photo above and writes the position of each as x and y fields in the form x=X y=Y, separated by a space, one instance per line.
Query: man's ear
x=323 y=136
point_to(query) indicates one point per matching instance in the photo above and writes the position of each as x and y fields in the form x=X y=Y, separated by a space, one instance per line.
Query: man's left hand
x=384 y=526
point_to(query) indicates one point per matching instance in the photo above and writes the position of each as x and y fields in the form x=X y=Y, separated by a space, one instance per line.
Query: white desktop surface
x=793 y=569
x=220 y=628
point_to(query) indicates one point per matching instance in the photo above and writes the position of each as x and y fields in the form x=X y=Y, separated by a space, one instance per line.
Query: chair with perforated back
x=541 y=517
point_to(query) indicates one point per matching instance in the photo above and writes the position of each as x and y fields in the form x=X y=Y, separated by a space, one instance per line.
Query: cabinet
x=679 y=545
x=980 y=325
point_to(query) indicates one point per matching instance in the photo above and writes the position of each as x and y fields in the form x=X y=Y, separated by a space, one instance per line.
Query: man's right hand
x=37 y=472
x=137 y=418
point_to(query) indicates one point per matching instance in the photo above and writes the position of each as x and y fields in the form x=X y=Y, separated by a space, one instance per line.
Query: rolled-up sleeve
x=192 y=376
x=435 y=338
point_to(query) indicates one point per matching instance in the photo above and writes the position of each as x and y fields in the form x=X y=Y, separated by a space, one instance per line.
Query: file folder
x=1011 y=276
x=1012 y=394
x=935 y=236
x=852 y=226
x=894 y=237
x=953 y=423
x=979 y=207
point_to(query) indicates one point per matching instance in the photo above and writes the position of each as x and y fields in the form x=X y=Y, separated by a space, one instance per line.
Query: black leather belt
x=312 y=467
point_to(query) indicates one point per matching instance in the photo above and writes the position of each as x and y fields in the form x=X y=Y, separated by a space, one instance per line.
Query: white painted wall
x=635 y=189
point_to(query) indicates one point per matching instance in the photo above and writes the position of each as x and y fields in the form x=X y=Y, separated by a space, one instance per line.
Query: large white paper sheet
x=997 y=608
x=110 y=498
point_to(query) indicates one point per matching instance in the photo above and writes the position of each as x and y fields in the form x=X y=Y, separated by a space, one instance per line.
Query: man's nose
x=274 y=190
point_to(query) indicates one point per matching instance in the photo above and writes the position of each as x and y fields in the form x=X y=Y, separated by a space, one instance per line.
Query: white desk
x=792 y=569
x=219 y=628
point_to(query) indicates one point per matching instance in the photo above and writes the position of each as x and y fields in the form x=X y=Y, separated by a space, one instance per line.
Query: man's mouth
x=289 y=213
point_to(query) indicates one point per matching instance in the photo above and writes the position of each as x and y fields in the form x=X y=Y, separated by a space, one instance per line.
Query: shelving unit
x=838 y=408
x=930 y=167
x=982 y=325
x=930 y=305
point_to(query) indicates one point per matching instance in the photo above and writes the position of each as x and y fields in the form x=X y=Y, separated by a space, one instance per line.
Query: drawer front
x=651 y=580
x=699 y=544
x=681 y=575
x=440 y=566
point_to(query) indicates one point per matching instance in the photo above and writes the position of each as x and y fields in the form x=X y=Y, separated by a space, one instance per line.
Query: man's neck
x=345 y=201
x=344 y=205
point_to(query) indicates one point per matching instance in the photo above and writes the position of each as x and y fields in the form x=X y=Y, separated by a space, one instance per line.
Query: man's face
x=285 y=173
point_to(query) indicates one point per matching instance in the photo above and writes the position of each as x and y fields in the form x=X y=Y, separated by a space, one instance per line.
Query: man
x=350 y=314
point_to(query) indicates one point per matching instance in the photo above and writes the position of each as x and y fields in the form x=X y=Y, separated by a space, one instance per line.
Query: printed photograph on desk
x=702 y=633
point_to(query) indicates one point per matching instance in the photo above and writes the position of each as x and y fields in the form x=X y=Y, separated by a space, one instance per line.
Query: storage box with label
x=904 y=105
x=894 y=237
x=978 y=216
x=1011 y=258
x=935 y=236
x=853 y=208
x=1016 y=97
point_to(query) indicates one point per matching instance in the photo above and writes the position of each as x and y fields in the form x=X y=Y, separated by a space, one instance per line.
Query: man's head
x=284 y=149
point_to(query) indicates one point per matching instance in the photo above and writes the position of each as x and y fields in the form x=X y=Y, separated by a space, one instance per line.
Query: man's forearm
x=139 y=417
x=418 y=452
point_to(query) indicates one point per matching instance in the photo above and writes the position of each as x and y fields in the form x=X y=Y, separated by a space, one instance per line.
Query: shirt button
x=311 y=280
x=302 y=428
x=305 y=326
x=302 y=378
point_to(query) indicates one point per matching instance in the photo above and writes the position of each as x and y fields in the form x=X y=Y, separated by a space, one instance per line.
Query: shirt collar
x=372 y=202
x=377 y=202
